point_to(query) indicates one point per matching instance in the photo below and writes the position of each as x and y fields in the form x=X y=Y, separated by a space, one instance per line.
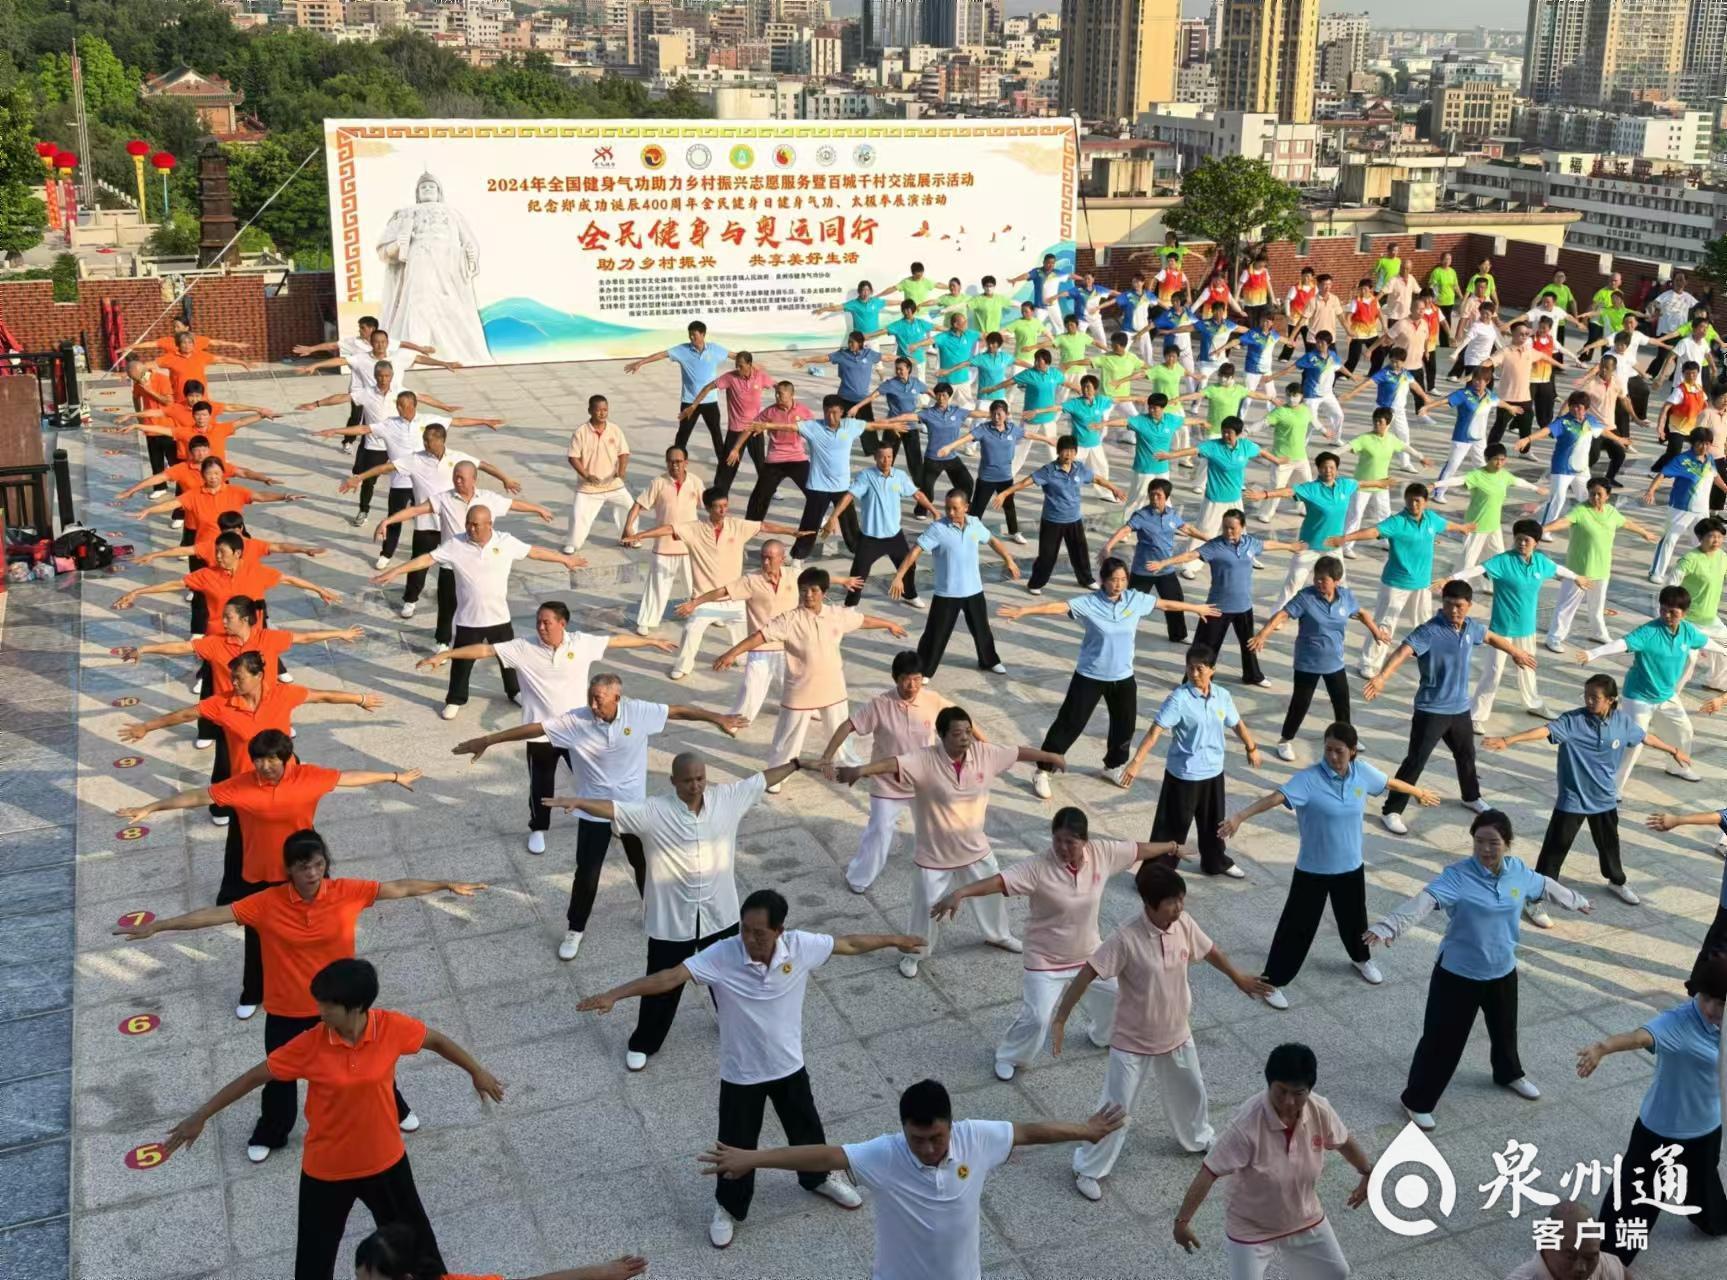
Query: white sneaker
x=176 y=524
x=1626 y=894
x=1115 y=774
x=1686 y=772
x=440 y=647
x=567 y=949
x=1018 y=538
x=203 y=744
x=536 y=842
x=644 y=631
x=381 y=563
x=1090 y=1188
x=1008 y=943
x=1234 y=872
x=676 y=674
x=841 y=1193
x=1285 y=751
x=1480 y=727
x=1040 y=785
x=1369 y=972
x=908 y=966
x=219 y=819
x=1277 y=1000
x=1034 y=591
x=1423 y=1120
x=1721 y=847
x=1478 y=805
x=1524 y=1087
x=1189 y=574
x=1394 y=823
x=408 y=608
x=409 y=1123
x=634 y=1061
x=244 y=1011
x=1542 y=711
x=720 y=1230
x=1554 y=646
x=257 y=1153
x=917 y=604
x=195 y=686
x=1004 y=1070
x=1537 y=915
x=569 y=549
x=287 y=677
x=1349 y=552
x=999 y=668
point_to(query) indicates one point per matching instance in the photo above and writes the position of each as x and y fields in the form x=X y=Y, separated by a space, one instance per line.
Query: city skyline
x=1385 y=13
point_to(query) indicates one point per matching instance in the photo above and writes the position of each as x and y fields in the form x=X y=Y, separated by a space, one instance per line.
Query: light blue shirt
x=1196 y=724
x=1155 y=533
x=1409 y=561
x=1328 y=809
x=1443 y=653
x=1231 y=565
x=907 y=334
x=1684 y=1098
x=1320 y=625
x=1061 y=490
x=831 y=451
x=902 y=394
x=1041 y=387
x=1517 y=592
x=1086 y=415
x=993 y=367
x=1152 y=436
x=1480 y=942
x=995 y=450
x=864 y=314
x=1590 y=749
x=877 y=498
x=954 y=554
x=1324 y=508
x=697 y=368
x=1106 y=649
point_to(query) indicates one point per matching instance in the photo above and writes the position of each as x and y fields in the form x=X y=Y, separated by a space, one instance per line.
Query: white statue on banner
x=431 y=257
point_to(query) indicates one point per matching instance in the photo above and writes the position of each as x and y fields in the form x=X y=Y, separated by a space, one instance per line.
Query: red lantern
x=163 y=161
x=66 y=161
x=138 y=148
x=47 y=150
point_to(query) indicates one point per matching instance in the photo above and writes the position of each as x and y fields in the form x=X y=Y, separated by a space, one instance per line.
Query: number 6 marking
x=140 y=1024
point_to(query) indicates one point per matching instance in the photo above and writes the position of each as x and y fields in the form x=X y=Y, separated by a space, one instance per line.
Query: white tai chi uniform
x=896 y=727
x=948 y=808
x=667 y=502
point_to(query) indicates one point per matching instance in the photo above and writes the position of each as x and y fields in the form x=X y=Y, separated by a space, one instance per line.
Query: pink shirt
x=948 y=805
x=716 y=556
x=764 y=600
x=1515 y=364
x=897 y=727
x=743 y=396
x=1274 y=1171
x=1152 y=1006
x=786 y=446
x=1061 y=927
x=668 y=502
x=815 y=674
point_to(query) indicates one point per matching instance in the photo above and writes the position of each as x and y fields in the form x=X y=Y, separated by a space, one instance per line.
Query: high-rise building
x=1117 y=56
x=1632 y=49
x=1552 y=45
x=1469 y=111
x=1704 y=75
x=1193 y=43
x=953 y=22
x=1343 y=41
x=1266 y=59
x=891 y=24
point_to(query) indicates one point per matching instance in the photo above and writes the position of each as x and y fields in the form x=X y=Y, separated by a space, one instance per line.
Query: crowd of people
x=1179 y=414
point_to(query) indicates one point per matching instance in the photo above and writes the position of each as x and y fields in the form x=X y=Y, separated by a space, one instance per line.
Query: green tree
x=110 y=86
x=298 y=219
x=22 y=214
x=1714 y=264
x=1231 y=199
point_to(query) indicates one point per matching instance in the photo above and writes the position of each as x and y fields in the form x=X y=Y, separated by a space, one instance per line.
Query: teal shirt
x=1085 y=415
x=1152 y=436
x=954 y=349
x=1041 y=390
x=1225 y=468
x=1658 y=658
x=1517 y=592
x=1325 y=507
x=993 y=367
x=907 y=334
x=1409 y=566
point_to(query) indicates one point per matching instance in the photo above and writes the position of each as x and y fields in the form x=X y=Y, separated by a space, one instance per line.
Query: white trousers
x=1643 y=713
x=1679 y=523
x=1714 y=664
x=1301 y=572
x=1180 y=1088
x=1093 y=326
x=1572 y=598
x=1328 y=412
x=1021 y=452
x=1050 y=316
x=1400 y=429
x=876 y=842
x=586 y=508
x=1366 y=506
x=930 y=885
x=668 y=579
x=1465 y=456
x=1210 y=523
x=1313 y=1254
x=1298 y=471
x=790 y=728
x=1142 y=348
x=1039 y=994
x=725 y=613
x=1136 y=494
x=1388 y=610
x=1567 y=490
x=1097 y=460
x=965 y=394
x=1493 y=670
x=762 y=671
x=1478 y=546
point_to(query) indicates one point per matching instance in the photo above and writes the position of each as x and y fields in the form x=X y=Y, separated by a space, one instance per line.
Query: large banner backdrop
x=514 y=242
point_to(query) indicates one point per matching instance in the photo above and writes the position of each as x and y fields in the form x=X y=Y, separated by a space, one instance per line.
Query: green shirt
x=1561 y=294
x=1071 y=347
x=1373 y=454
x=1117 y=373
x=1290 y=424
x=917 y=290
x=1603 y=298
x=1700 y=573
x=1589 y=553
x=1487 y=490
x=1612 y=320
x=1224 y=401
x=987 y=310
x=1386 y=270
x=1026 y=334
x=1443 y=282
x=1492 y=284
x=1166 y=380
x=1517 y=592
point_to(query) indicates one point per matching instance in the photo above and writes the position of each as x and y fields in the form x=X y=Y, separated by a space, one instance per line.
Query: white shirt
x=691 y=892
x=482 y=576
x=1479 y=342
x=401 y=437
x=554 y=680
x=1691 y=348
x=362 y=364
x=926 y=1217
x=761 y=1006
x=608 y=757
x=376 y=405
x=429 y=477
x=450 y=509
x=1671 y=308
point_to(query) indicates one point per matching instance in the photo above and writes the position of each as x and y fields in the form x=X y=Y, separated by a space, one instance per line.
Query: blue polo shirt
x=1195 y=725
x=1226 y=467
x=1328 y=810
x=864 y=313
x=902 y=394
x=1390 y=386
x=954 y=351
x=992 y=367
x=1517 y=592
x=830 y=452
x=1658 y=658
x=944 y=426
x=1320 y=625
x=1684 y=1098
x=1590 y=749
x=877 y=498
x=697 y=369
x=1168 y=321
x=1480 y=942
x=1231 y=565
x=1061 y=490
x=1565 y=431
x=1106 y=648
x=907 y=334
x=1324 y=509
x=1468 y=406
x=855 y=371
x=995 y=450
x=1152 y=436
x=1212 y=333
x=1444 y=654
x=1313 y=368
x=954 y=554
x=1687 y=471
x=1409 y=562
x=1085 y=415
x=1155 y=536
x=1041 y=388
x=1256 y=349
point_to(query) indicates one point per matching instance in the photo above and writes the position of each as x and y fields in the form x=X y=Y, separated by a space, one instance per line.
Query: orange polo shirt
x=188 y=476
x=218 y=587
x=178 y=418
x=201 y=507
x=219 y=649
x=169 y=346
x=269 y=814
x=157 y=381
x=254 y=550
x=188 y=368
x=240 y=724
x=299 y=937
x=351 y=1128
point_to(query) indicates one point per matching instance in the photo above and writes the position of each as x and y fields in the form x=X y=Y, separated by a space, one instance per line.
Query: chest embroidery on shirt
x=627 y=732
x=964 y=1171
x=786 y=967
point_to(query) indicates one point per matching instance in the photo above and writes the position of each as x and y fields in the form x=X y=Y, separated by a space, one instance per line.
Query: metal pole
x=81 y=122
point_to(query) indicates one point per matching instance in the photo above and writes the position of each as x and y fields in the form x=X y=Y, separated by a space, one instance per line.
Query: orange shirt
x=351 y=1129
x=217 y=587
x=169 y=346
x=299 y=937
x=269 y=814
x=218 y=648
x=252 y=552
x=201 y=507
x=178 y=417
x=1364 y=317
x=159 y=382
x=239 y=724
x=188 y=476
x=183 y=369
x=450 y=1275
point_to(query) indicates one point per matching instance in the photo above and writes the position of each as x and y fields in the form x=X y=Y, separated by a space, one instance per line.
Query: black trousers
x=816 y=505
x=944 y=611
x=364 y=460
x=1611 y=443
x=1701 y=1160
x=1429 y=370
x=741 y=1110
x=768 y=477
x=324 y=1208
x=1211 y=632
x=161 y=452
x=1183 y=804
x=280 y=1105
x=953 y=469
x=462 y=668
x=725 y=472
x=400 y=500
x=1562 y=829
x=655 y=1016
x=235 y=886
x=1671 y=448
x=1718 y=497
x=425 y=541
x=1302 y=909
x=1301 y=698
x=1546 y=399
x=1168 y=587
x=985 y=492
x=1083 y=694
x=1511 y=411
x=200 y=622
x=1052 y=535
x=445 y=630
x=593 y=840
x=870 y=441
x=869 y=550
x=709 y=416
x=543 y=759
x=1662 y=356
x=1427 y=729
x=1356 y=347
x=1452 y=1003
x=221 y=768
x=1714 y=941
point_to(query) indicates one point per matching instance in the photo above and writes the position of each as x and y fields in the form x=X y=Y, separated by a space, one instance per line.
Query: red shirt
x=351 y=1128
x=218 y=648
x=270 y=813
x=240 y=724
x=1300 y=298
x=201 y=507
x=218 y=588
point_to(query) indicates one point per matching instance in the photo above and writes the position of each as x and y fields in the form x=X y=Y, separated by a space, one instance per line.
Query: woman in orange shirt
x=388 y=1254
x=202 y=505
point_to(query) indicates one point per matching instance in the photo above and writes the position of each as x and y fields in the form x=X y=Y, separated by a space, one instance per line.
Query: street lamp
x=164 y=163
x=138 y=149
